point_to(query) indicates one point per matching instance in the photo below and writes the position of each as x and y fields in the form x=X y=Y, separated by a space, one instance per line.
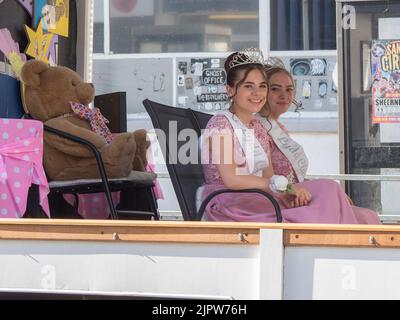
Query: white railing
x=354 y=177
x=339 y=177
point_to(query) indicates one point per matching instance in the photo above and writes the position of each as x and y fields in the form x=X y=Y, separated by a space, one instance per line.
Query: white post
x=271 y=264
x=264 y=27
x=88 y=75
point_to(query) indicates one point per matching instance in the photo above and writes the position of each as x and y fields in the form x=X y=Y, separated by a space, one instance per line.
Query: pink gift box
x=21 y=154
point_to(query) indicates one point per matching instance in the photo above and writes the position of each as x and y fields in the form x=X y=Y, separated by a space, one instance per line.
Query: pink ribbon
x=97 y=121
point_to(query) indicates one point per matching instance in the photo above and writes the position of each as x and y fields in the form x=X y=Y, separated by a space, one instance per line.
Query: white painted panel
x=271 y=264
x=322 y=150
x=139 y=78
x=341 y=273
x=389 y=193
x=212 y=270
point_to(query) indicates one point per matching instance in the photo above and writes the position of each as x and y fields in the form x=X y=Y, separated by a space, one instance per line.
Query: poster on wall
x=314 y=83
x=39 y=43
x=53 y=14
x=200 y=84
x=385 y=71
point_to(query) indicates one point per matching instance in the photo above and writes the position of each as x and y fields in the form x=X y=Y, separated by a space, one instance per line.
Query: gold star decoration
x=39 y=43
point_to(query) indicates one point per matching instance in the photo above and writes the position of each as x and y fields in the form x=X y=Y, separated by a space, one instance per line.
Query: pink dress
x=329 y=203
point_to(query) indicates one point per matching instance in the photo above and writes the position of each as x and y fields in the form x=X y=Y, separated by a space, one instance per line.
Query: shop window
x=157 y=26
x=303 y=24
x=98 y=27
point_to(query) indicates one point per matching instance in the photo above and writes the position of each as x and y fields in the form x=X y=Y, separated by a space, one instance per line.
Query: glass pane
x=146 y=26
x=371 y=148
x=303 y=25
x=98 y=28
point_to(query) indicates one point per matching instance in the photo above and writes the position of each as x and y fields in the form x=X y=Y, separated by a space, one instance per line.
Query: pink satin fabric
x=329 y=203
x=21 y=154
x=94 y=205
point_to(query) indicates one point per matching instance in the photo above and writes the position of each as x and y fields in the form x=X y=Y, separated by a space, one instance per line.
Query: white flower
x=279 y=183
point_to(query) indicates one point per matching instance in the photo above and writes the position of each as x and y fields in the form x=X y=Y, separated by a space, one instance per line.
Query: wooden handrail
x=198 y=232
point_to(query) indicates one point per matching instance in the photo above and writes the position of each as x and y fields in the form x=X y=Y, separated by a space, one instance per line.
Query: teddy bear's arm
x=70 y=147
x=142 y=143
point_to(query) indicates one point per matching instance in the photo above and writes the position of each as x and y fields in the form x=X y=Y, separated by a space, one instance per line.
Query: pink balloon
x=124 y=5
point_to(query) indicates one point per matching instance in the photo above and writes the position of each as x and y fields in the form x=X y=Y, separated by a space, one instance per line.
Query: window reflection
x=98 y=28
x=303 y=24
x=156 y=26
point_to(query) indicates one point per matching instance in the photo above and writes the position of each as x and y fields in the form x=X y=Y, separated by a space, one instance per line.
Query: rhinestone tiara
x=274 y=62
x=247 y=56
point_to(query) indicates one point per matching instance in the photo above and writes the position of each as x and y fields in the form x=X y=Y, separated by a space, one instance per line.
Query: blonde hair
x=269 y=72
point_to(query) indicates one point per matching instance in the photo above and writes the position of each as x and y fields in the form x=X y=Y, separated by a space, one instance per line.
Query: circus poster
x=385 y=72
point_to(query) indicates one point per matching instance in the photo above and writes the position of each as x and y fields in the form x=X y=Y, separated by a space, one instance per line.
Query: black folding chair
x=187 y=178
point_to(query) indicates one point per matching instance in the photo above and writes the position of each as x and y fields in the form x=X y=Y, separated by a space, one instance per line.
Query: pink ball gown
x=329 y=203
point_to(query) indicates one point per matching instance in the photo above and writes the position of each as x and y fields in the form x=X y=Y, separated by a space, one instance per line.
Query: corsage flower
x=280 y=184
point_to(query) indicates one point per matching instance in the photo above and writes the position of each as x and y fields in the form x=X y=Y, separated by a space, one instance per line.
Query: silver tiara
x=274 y=62
x=247 y=56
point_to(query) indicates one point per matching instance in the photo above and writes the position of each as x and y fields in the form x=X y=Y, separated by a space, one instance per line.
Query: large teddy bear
x=58 y=97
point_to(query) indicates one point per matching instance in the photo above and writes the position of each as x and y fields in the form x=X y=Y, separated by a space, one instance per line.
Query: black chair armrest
x=99 y=160
x=204 y=204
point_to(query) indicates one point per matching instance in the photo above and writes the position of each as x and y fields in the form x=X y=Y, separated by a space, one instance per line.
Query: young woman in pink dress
x=236 y=154
x=235 y=149
x=329 y=203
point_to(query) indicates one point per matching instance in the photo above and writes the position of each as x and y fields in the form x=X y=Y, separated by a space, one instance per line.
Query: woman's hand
x=297 y=197
x=286 y=199
x=302 y=196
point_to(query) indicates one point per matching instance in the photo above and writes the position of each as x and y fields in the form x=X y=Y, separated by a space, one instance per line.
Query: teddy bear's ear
x=30 y=72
